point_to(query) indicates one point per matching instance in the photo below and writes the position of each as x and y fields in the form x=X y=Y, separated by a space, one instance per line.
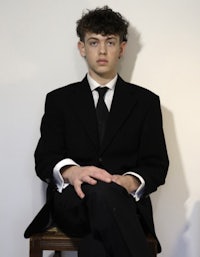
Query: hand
x=76 y=176
x=129 y=182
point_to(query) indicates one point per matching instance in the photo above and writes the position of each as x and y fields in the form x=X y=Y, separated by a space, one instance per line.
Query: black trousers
x=106 y=219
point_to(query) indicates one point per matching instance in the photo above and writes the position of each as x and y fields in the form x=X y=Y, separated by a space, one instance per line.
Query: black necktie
x=101 y=111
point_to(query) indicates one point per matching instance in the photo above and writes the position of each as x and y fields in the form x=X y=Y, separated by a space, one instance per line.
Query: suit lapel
x=85 y=110
x=122 y=104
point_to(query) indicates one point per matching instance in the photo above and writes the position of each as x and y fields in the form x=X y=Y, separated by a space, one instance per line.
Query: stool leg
x=35 y=250
x=35 y=253
x=57 y=254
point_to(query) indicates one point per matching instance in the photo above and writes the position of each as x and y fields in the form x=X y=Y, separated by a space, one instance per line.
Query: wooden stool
x=54 y=239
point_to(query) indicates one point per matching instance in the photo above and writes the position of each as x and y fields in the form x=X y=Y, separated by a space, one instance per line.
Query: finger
x=102 y=175
x=89 y=180
x=104 y=178
x=116 y=179
x=79 y=191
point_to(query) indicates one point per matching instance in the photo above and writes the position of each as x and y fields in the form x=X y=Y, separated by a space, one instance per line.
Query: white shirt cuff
x=59 y=181
x=138 y=193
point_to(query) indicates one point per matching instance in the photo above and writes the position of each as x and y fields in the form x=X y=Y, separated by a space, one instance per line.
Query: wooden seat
x=54 y=239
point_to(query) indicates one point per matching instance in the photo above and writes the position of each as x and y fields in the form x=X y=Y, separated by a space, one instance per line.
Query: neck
x=102 y=79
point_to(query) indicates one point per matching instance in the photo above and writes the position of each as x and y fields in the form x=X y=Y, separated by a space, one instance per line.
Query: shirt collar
x=93 y=84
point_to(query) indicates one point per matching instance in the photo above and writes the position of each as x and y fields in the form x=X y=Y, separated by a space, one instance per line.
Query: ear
x=122 y=49
x=81 y=47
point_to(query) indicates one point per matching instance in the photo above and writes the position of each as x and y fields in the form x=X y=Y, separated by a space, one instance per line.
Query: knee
x=104 y=190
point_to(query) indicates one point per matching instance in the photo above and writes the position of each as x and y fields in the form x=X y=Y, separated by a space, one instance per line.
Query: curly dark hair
x=102 y=21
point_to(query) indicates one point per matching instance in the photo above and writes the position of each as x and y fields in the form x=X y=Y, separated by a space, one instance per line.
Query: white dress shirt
x=68 y=162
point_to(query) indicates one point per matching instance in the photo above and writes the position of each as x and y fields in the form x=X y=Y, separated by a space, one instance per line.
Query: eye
x=93 y=43
x=111 y=43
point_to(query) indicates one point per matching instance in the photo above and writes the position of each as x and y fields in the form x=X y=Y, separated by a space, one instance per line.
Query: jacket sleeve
x=152 y=158
x=50 y=149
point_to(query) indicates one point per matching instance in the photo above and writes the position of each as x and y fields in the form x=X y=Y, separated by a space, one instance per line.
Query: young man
x=102 y=155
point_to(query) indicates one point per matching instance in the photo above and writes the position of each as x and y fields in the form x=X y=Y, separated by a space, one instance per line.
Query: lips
x=102 y=61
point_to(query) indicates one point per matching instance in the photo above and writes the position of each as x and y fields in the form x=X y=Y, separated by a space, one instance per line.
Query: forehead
x=91 y=35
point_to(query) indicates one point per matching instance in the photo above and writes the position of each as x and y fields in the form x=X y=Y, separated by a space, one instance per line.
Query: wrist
x=65 y=172
x=134 y=183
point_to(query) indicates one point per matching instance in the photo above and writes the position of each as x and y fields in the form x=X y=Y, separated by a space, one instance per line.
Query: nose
x=102 y=48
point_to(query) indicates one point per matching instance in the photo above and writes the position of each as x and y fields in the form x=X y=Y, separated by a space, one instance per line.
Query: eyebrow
x=112 y=37
x=107 y=38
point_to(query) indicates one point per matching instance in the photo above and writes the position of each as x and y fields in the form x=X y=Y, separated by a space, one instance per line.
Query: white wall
x=38 y=53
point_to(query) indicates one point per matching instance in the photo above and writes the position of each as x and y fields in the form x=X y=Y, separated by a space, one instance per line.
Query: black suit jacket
x=133 y=140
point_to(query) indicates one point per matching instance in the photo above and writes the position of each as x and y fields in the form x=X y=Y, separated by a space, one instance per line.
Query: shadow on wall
x=169 y=200
x=128 y=61
x=193 y=230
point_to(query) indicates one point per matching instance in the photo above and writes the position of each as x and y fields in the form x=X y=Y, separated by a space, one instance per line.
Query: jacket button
x=100 y=159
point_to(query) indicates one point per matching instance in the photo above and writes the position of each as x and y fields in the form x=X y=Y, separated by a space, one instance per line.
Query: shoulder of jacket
x=64 y=90
x=140 y=90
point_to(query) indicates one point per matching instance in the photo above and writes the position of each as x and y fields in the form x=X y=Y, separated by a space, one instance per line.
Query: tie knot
x=101 y=91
